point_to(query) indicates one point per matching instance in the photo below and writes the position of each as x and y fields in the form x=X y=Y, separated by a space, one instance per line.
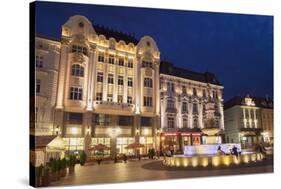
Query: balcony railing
x=166 y=129
x=113 y=105
x=171 y=110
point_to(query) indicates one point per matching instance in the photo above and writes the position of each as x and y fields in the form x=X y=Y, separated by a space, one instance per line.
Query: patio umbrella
x=134 y=146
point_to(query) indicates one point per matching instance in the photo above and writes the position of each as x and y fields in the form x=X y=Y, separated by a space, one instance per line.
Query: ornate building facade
x=106 y=87
x=191 y=107
x=249 y=120
x=46 y=75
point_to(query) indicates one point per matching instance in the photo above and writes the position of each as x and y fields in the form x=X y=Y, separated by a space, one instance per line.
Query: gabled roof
x=261 y=102
x=169 y=69
x=42 y=141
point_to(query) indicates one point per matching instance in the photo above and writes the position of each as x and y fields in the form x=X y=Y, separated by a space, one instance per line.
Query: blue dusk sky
x=237 y=48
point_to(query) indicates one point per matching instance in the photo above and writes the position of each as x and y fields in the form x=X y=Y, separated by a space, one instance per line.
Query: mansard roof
x=108 y=32
x=262 y=102
x=169 y=69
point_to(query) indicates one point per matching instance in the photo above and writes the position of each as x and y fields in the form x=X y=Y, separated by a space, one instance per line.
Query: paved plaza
x=152 y=170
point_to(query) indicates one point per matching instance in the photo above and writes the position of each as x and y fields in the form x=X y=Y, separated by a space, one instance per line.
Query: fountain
x=206 y=155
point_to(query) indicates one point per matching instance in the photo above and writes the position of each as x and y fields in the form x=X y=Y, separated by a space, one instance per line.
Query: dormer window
x=80 y=49
x=81 y=24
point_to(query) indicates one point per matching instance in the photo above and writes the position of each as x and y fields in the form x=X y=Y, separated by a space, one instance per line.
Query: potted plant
x=71 y=164
x=63 y=167
x=45 y=176
x=54 y=169
x=38 y=175
x=83 y=158
x=58 y=164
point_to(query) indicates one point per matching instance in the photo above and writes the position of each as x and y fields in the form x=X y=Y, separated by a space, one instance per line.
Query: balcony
x=170 y=130
x=105 y=105
x=171 y=110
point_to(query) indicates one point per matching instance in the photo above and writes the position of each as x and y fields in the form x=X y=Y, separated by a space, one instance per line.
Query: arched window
x=77 y=70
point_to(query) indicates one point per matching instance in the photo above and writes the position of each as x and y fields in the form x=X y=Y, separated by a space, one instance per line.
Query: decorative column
x=255 y=119
x=62 y=74
x=250 y=118
x=90 y=80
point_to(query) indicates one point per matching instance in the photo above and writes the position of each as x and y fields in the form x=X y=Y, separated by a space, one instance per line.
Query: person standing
x=125 y=158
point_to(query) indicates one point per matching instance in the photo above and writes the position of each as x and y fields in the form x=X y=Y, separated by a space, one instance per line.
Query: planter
x=62 y=172
x=71 y=169
x=45 y=180
x=54 y=176
x=38 y=181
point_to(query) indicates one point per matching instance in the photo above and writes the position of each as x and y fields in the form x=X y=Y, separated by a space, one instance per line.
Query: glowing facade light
x=74 y=131
x=113 y=132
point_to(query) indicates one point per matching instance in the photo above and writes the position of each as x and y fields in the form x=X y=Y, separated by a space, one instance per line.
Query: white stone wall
x=48 y=75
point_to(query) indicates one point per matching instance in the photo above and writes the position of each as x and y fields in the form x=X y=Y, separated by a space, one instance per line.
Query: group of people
x=235 y=151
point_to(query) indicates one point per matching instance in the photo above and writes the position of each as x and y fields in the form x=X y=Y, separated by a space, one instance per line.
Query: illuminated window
x=171 y=122
x=77 y=70
x=147 y=101
x=38 y=85
x=98 y=96
x=129 y=100
x=147 y=82
x=130 y=63
x=100 y=77
x=111 y=59
x=79 y=49
x=110 y=79
x=130 y=82
x=120 y=80
x=109 y=97
x=75 y=93
x=120 y=99
x=101 y=57
x=121 y=61
x=39 y=61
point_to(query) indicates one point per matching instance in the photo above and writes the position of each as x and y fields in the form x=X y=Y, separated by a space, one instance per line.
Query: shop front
x=250 y=137
x=176 y=141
